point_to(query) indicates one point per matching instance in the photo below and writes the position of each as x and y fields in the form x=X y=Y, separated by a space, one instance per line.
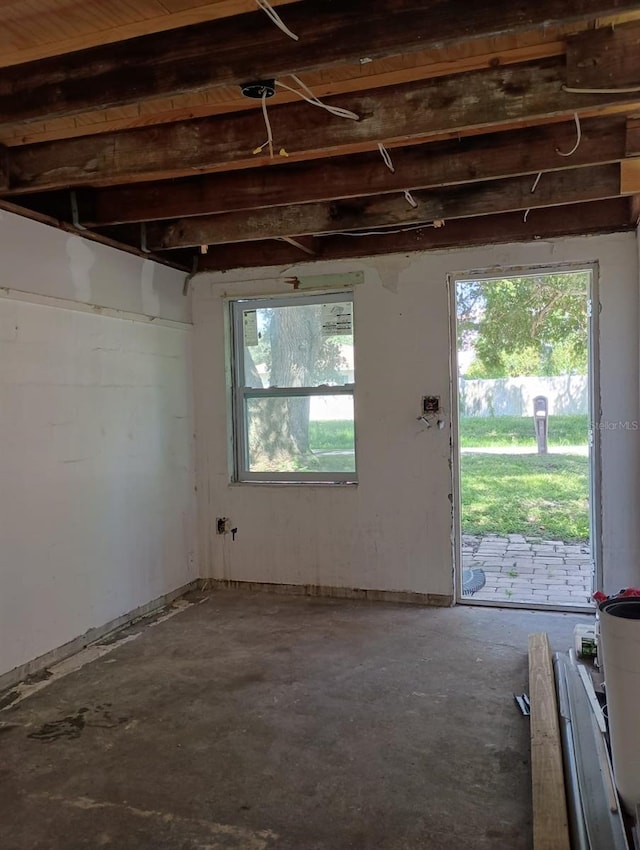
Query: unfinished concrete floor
x=259 y=721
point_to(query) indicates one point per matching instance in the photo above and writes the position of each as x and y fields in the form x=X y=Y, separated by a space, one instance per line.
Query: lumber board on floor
x=550 y=821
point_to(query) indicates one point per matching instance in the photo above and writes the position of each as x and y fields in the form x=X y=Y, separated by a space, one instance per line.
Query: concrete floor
x=259 y=721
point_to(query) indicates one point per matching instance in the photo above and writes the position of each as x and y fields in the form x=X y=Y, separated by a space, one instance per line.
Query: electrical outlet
x=430 y=404
x=222 y=525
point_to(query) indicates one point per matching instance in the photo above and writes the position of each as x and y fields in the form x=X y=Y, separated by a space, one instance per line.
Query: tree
x=292 y=352
x=533 y=325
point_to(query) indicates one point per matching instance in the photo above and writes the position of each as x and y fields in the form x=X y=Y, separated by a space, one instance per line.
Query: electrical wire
x=384 y=153
x=410 y=199
x=267 y=123
x=390 y=232
x=576 y=118
x=533 y=189
x=275 y=17
x=311 y=98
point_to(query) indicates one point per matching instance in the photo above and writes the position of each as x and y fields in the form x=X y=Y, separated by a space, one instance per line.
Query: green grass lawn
x=482 y=431
x=332 y=435
x=535 y=495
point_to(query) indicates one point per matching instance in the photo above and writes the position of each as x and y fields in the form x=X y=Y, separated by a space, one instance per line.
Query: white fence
x=514 y=396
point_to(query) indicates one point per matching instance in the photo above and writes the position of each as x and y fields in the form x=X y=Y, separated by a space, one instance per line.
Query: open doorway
x=525 y=446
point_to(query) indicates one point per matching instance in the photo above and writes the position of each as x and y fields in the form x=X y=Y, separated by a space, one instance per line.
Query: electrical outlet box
x=430 y=404
x=222 y=525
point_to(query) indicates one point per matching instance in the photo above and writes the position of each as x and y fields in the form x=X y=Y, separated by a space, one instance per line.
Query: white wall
x=393 y=530
x=97 y=513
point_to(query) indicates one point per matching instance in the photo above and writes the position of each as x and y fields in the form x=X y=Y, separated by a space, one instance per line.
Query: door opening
x=525 y=448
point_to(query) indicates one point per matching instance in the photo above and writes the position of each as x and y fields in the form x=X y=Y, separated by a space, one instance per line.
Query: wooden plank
x=430 y=166
x=388 y=71
x=452 y=105
x=4 y=168
x=597 y=217
x=251 y=47
x=635 y=210
x=633 y=137
x=560 y=187
x=630 y=176
x=550 y=821
x=174 y=259
x=35 y=29
x=602 y=58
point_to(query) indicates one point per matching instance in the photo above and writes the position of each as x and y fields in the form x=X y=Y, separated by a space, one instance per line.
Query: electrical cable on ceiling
x=386 y=157
x=307 y=95
x=410 y=199
x=275 y=17
x=576 y=118
x=438 y=223
x=311 y=98
x=533 y=189
x=267 y=124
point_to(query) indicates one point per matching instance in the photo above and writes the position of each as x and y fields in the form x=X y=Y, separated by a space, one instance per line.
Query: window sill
x=293 y=483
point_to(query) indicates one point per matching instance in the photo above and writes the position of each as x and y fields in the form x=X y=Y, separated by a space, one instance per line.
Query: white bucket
x=620 y=654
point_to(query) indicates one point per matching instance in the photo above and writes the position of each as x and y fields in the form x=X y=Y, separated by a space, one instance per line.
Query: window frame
x=240 y=393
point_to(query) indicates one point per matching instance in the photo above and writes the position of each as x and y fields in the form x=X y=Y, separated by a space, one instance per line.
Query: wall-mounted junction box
x=430 y=404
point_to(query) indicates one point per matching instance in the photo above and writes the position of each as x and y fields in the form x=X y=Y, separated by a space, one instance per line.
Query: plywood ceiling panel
x=34 y=29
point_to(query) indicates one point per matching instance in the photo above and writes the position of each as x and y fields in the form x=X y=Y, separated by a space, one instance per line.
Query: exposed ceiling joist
x=604 y=57
x=461 y=104
x=429 y=166
x=237 y=50
x=474 y=106
x=597 y=217
x=560 y=187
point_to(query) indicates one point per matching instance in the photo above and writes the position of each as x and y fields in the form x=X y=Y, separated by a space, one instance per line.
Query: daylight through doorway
x=525 y=447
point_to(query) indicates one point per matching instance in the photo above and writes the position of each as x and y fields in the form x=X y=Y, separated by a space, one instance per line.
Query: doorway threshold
x=586 y=610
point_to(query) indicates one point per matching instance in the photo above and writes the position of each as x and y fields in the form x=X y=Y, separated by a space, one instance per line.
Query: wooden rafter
x=560 y=187
x=250 y=47
x=487 y=157
x=461 y=104
x=597 y=217
x=471 y=102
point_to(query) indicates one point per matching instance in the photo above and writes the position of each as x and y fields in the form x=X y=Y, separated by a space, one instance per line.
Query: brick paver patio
x=525 y=569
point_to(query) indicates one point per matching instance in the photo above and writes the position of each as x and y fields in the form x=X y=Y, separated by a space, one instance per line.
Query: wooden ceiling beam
x=430 y=166
x=602 y=58
x=4 y=168
x=633 y=137
x=480 y=101
x=237 y=50
x=388 y=71
x=582 y=219
x=560 y=187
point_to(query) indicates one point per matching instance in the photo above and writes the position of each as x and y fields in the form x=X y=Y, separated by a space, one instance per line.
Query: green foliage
x=533 y=325
x=482 y=431
x=331 y=435
x=535 y=495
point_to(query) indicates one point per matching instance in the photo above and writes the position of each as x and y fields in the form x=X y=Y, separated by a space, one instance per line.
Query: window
x=293 y=385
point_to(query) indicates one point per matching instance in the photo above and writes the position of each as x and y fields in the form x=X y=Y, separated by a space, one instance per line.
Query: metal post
x=541 y=422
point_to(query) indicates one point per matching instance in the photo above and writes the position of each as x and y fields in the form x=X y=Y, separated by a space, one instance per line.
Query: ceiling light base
x=259 y=89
